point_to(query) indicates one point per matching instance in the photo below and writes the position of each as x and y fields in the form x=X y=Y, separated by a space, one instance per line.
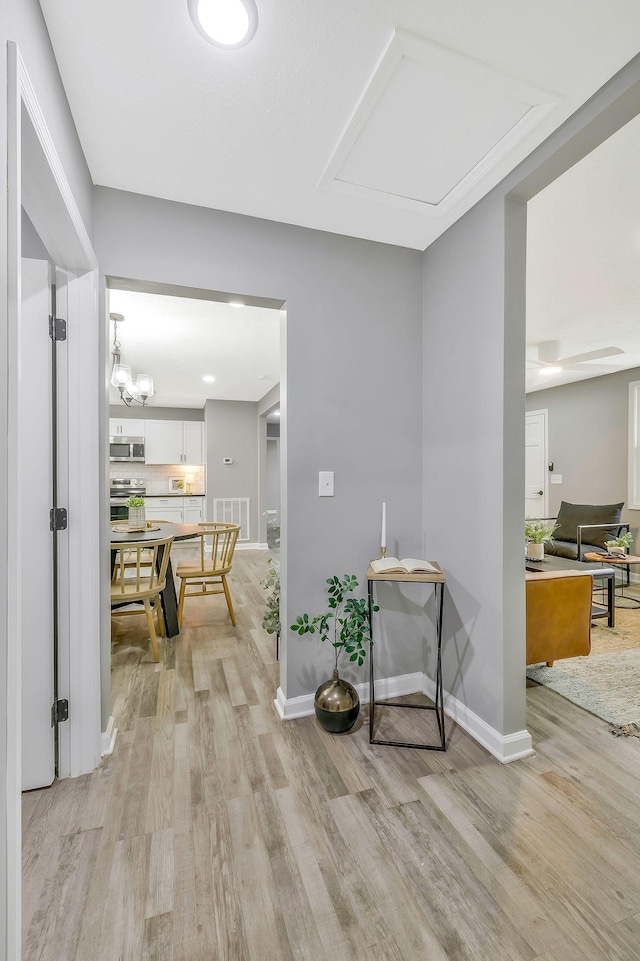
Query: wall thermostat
x=227 y=460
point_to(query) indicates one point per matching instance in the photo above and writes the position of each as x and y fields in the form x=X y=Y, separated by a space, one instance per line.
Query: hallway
x=216 y=831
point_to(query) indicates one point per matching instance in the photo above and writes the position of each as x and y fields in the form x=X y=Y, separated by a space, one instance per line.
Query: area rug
x=623 y=637
x=607 y=682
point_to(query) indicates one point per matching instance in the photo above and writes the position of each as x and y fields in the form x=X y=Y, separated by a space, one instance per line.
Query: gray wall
x=231 y=430
x=588 y=441
x=353 y=326
x=474 y=316
x=21 y=21
x=32 y=245
x=156 y=413
x=464 y=463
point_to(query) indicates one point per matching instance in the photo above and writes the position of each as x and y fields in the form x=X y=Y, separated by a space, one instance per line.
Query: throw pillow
x=572 y=515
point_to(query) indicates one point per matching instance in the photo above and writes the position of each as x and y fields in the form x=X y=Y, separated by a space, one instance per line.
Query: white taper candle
x=383 y=536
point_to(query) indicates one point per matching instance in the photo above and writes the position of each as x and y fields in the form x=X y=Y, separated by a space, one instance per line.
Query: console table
x=438 y=581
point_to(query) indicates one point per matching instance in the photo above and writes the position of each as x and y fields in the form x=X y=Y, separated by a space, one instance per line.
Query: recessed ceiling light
x=265 y=377
x=276 y=413
x=208 y=379
x=225 y=23
x=236 y=303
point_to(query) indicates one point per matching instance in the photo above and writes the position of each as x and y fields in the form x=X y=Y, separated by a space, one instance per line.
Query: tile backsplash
x=157 y=477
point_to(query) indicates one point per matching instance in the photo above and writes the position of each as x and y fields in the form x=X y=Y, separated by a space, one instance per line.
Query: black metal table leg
x=168 y=599
x=438 y=705
x=611 y=603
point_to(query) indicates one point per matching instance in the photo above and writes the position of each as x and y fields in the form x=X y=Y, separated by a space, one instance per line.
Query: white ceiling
x=383 y=119
x=583 y=260
x=180 y=340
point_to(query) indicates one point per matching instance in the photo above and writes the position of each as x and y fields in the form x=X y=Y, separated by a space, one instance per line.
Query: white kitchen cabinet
x=193 y=510
x=178 y=510
x=126 y=427
x=164 y=508
x=193 y=442
x=163 y=442
x=174 y=442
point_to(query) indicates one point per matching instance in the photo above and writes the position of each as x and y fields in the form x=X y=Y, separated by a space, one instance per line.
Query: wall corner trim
x=108 y=738
x=504 y=747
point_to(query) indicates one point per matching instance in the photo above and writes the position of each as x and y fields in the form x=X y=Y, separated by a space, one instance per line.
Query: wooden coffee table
x=622 y=563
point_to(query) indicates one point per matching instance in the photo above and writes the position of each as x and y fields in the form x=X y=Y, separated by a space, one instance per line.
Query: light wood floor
x=217 y=832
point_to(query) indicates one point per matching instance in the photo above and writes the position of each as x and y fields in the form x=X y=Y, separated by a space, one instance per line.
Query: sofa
x=558 y=615
x=584 y=527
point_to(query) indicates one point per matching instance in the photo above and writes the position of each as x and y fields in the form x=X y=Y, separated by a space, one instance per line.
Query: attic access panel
x=431 y=125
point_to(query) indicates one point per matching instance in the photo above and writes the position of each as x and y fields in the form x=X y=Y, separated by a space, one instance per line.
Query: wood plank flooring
x=215 y=831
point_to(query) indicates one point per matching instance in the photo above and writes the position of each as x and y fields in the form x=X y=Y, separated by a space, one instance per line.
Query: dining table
x=179 y=532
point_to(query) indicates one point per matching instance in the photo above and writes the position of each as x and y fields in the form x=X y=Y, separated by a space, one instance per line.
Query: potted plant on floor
x=347 y=628
x=618 y=546
x=537 y=532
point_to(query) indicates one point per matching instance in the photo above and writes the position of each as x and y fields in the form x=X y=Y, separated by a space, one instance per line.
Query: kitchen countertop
x=173 y=494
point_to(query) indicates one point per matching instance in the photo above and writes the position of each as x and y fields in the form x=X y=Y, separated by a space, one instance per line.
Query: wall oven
x=121 y=489
x=127 y=449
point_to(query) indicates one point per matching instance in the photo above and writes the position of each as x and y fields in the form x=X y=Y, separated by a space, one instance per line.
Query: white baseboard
x=108 y=738
x=251 y=547
x=290 y=708
x=504 y=747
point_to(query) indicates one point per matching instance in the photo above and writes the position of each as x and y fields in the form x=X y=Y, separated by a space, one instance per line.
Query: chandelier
x=121 y=376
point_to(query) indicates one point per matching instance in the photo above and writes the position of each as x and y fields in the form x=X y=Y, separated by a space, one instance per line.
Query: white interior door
x=536 y=464
x=36 y=483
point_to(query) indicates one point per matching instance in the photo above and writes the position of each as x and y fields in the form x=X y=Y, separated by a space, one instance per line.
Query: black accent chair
x=584 y=528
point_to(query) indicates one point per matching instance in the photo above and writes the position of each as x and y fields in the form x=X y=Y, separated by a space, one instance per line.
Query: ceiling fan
x=549 y=359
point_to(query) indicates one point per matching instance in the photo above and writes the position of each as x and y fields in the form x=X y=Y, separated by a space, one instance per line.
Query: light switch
x=556 y=478
x=325 y=483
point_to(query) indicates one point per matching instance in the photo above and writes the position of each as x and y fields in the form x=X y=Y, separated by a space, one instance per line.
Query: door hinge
x=57 y=328
x=59 y=711
x=58 y=519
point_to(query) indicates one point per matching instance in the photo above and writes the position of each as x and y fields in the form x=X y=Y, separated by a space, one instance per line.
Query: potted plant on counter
x=537 y=532
x=346 y=626
x=136 y=512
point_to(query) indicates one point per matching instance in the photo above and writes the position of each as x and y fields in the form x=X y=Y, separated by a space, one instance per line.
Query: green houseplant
x=347 y=627
x=136 y=511
x=618 y=546
x=536 y=532
x=271 y=617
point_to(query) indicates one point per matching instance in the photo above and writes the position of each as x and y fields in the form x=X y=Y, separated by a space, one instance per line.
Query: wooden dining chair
x=208 y=575
x=141 y=577
x=129 y=559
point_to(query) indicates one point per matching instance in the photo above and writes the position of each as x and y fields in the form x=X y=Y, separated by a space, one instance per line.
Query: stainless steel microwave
x=130 y=449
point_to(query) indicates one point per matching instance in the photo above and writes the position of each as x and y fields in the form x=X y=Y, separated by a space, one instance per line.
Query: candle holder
x=383 y=551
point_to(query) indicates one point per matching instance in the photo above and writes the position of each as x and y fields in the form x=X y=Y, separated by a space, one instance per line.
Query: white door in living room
x=536 y=464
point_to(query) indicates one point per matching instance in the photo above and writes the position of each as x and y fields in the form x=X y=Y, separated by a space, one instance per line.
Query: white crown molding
x=404 y=45
x=504 y=747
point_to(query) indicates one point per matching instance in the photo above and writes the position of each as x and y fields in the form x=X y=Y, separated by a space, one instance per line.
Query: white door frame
x=36 y=180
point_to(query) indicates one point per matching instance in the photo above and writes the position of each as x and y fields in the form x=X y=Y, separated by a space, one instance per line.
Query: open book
x=408 y=565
